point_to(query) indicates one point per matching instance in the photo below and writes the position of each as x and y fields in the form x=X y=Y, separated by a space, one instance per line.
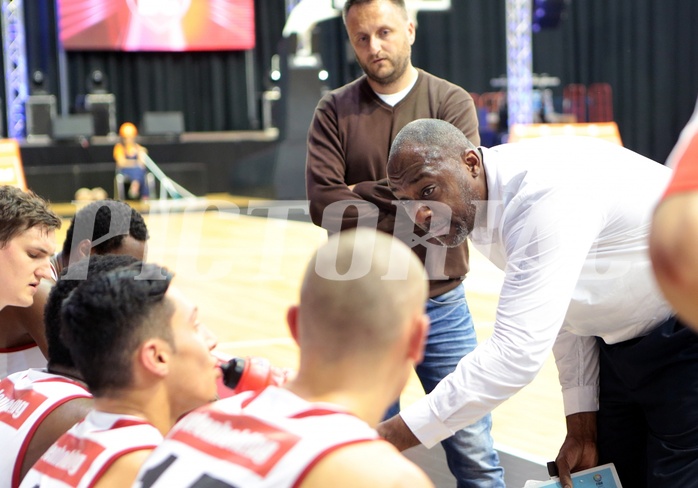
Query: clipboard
x=604 y=476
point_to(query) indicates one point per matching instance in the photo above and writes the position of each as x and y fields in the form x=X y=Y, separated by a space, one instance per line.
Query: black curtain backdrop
x=647 y=50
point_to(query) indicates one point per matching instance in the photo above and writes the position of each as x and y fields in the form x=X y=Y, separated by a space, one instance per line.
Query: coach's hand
x=395 y=431
x=578 y=451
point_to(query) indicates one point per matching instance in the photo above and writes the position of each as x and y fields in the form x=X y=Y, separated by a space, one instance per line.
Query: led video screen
x=156 y=25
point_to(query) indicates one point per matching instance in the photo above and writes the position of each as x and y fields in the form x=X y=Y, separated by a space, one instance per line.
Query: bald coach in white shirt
x=568 y=220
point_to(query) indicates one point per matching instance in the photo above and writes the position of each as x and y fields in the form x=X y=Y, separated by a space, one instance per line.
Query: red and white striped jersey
x=26 y=399
x=271 y=438
x=83 y=454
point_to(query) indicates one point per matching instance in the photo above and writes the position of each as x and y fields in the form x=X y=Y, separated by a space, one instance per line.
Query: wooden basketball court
x=243 y=271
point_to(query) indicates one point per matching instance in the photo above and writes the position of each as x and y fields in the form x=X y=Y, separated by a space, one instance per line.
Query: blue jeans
x=470 y=452
x=136 y=174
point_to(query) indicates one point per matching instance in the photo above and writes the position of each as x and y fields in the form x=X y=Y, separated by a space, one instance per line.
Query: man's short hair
x=58 y=353
x=350 y=3
x=108 y=317
x=20 y=210
x=359 y=266
x=433 y=133
x=94 y=220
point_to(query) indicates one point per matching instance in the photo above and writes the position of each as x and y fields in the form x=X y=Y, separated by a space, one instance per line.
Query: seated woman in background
x=130 y=162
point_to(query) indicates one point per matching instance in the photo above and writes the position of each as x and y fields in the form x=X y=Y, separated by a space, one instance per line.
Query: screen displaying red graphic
x=156 y=25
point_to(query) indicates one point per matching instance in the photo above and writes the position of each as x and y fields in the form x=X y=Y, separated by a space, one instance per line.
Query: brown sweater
x=348 y=144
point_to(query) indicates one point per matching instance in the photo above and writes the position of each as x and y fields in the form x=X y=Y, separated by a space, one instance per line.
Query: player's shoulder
x=124 y=470
x=374 y=463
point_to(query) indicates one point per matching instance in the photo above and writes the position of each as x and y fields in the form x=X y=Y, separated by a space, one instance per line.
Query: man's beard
x=398 y=71
x=456 y=238
x=461 y=229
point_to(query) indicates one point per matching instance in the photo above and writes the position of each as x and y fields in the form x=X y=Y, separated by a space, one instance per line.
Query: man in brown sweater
x=348 y=144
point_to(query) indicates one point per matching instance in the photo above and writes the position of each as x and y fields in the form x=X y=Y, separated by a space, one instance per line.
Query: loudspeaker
x=169 y=124
x=102 y=106
x=73 y=127
x=40 y=111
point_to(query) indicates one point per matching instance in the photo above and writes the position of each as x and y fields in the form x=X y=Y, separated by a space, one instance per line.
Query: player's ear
x=154 y=356
x=292 y=321
x=418 y=339
x=84 y=248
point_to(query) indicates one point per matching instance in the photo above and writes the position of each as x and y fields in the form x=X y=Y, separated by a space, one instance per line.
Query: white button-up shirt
x=567 y=219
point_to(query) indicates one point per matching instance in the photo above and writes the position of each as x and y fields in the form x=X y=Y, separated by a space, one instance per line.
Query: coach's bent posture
x=567 y=219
